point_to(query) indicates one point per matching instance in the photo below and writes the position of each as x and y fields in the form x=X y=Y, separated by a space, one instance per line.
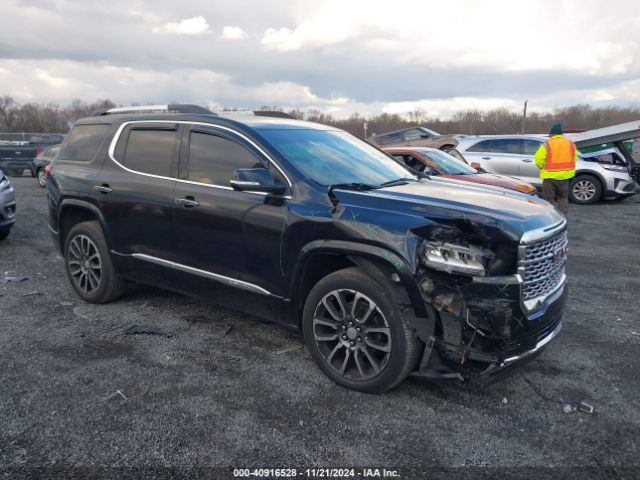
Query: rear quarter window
x=83 y=142
x=150 y=151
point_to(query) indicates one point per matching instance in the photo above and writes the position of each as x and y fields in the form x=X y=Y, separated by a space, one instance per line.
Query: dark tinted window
x=212 y=159
x=482 y=146
x=387 y=139
x=83 y=142
x=507 y=145
x=150 y=151
x=531 y=147
x=414 y=134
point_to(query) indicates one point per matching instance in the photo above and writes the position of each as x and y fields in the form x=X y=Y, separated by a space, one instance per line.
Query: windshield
x=331 y=157
x=448 y=164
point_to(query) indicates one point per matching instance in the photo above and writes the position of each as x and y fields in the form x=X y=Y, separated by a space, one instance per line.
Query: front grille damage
x=481 y=322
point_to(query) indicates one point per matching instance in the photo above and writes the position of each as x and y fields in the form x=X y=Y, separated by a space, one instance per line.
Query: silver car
x=7 y=206
x=599 y=175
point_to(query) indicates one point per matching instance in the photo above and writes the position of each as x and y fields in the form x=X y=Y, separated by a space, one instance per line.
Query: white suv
x=599 y=175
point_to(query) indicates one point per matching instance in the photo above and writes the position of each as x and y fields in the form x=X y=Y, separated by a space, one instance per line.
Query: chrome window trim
x=203 y=273
x=116 y=137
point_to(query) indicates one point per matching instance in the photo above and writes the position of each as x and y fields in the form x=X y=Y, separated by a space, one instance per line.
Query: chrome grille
x=541 y=265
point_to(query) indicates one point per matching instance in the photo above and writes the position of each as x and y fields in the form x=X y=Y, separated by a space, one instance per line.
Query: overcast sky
x=338 y=56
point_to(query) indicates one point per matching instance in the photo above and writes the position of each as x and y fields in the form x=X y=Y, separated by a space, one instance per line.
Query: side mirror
x=256 y=180
x=425 y=135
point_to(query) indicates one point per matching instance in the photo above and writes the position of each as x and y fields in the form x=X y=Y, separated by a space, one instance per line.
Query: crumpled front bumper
x=487 y=332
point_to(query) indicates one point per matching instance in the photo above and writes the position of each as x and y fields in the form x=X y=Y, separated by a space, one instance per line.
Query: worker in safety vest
x=556 y=159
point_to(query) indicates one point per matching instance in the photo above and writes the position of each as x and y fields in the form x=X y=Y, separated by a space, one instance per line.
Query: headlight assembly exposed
x=452 y=258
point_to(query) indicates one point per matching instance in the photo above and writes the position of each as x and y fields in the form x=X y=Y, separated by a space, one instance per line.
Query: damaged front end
x=494 y=301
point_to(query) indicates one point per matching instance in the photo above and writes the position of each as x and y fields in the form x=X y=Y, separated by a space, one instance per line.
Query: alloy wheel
x=85 y=264
x=584 y=190
x=42 y=180
x=352 y=334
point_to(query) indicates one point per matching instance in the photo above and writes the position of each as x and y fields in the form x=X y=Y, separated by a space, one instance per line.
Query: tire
x=42 y=181
x=349 y=358
x=447 y=148
x=585 y=190
x=4 y=232
x=89 y=266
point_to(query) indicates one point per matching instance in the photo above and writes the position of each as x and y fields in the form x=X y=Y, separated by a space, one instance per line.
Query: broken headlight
x=452 y=258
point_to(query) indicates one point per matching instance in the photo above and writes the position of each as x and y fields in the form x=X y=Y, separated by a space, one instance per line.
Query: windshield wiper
x=348 y=186
x=397 y=181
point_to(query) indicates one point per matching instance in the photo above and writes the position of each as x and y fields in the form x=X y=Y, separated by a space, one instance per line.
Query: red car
x=436 y=162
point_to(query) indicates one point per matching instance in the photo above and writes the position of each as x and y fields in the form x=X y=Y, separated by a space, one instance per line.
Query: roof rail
x=272 y=113
x=257 y=113
x=173 y=108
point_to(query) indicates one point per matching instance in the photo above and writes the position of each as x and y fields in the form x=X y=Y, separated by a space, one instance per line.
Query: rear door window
x=413 y=134
x=150 y=150
x=83 y=142
x=512 y=146
x=213 y=159
x=390 y=138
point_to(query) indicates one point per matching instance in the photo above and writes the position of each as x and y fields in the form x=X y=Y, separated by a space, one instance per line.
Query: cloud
x=232 y=33
x=188 y=26
x=340 y=57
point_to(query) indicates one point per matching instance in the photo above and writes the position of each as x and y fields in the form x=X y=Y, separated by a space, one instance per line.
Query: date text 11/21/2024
x=316 y=473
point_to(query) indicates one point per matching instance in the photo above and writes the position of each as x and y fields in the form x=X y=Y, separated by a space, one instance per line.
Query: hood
x=496 y=181
x=436 y=199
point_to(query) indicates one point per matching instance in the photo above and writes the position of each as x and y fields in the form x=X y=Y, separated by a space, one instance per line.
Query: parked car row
x=605 y=169
x=599 y=175
x=18 y=156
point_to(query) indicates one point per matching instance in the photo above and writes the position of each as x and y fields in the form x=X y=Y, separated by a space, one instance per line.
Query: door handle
x=104 y=188
x=187 y=202
x=486 y=158
x=527 y=160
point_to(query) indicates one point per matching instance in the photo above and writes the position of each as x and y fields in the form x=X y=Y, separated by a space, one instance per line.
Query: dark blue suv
x=386 y=272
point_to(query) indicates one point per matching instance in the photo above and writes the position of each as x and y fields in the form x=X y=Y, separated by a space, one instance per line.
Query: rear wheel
x=585 y=190
x=42 y=179
x=89 y=266
x=447 y=148
x=357 y=334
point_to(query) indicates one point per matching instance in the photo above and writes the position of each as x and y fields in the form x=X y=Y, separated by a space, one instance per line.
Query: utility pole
x=524 y=117
x=365 y=130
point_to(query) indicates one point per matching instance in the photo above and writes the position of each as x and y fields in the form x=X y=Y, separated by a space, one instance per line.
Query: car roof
x=252 y=122
x=404 y=130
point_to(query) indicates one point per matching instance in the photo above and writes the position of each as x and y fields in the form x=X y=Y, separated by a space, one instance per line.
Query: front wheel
x=357 y=334
x=89 y=266
x=585 y=190
x=42 y=179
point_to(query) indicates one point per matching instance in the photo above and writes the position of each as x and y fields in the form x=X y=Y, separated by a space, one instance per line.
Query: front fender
x=371 y=252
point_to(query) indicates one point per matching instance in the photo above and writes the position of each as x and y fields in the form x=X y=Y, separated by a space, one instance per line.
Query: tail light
x=47 y=171
x=39 y=151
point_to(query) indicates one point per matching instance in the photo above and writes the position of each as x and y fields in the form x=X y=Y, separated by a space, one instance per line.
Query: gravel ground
x=223 y=390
